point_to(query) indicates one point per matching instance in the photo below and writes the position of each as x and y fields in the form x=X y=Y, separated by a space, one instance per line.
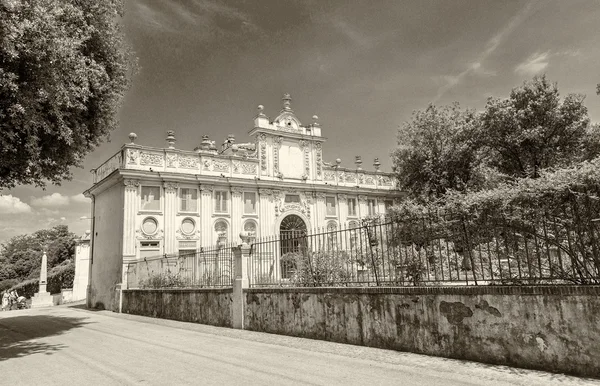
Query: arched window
x=292 y=239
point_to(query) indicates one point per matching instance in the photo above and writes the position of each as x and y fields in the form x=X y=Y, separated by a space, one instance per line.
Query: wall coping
x=164 y=290
x=563 y=290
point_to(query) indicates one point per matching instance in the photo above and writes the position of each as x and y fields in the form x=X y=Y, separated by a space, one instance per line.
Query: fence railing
x=512 y=248
x=210 y=267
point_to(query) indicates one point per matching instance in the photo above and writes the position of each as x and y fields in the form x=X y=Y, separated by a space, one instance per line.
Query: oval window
x=188 y=226
x=149 y=226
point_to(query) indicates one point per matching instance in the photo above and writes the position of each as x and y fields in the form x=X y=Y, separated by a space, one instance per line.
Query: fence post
x=240 y=283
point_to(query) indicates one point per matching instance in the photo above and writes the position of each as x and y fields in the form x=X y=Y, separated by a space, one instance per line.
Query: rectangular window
x=352 y=207
x=372 y=206
x=221 y=198
x=330 y=204
x=188 y=198
x=149 y=249
x=292 y=199
x=151 y=198
x=249 y=202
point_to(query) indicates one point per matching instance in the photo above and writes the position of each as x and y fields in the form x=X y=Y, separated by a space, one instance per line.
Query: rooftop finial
x=377 y=164
x=287 y=100
x=358 y=162
x=261 y=110
x=171 y=139
x=132 y=137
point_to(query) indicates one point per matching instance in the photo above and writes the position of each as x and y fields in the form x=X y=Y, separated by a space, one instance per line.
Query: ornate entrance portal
x=292 y=236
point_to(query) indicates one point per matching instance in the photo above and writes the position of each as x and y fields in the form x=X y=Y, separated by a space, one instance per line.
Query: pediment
x=287 y=121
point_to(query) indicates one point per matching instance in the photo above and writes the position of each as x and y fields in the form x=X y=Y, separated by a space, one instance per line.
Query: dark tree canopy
x=64 y=69
x=21 y=256
x=533 y=129
x=436 y=151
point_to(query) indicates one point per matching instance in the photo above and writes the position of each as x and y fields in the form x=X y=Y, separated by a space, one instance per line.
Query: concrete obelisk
x=43 y=297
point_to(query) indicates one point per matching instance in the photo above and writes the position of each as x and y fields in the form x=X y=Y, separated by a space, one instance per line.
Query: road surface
x=73 y=346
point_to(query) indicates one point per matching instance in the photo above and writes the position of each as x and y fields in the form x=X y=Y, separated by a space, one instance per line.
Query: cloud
x=13 y=205
x=53 y=200
x=534 y=64
x=491 y=47
x=208 y=20
x=350 y=32
x=80 y=199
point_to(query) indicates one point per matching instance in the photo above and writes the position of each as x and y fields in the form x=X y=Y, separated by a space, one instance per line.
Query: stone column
x=236 y=210
x=242 y=254
x=170 y=217
x=206 y=192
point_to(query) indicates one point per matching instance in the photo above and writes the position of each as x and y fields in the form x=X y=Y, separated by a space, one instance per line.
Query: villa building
x=154 y=201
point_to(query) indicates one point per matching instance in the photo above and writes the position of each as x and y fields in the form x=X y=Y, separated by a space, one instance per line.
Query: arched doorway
x=292 y=239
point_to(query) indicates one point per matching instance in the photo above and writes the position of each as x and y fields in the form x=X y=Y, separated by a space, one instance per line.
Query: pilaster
x=170 y=217
x=321 y=209
x=236 y=211
x=206 y=192
x=266 y=213
x=130 y=208
x=343 y=209
x=363 y=211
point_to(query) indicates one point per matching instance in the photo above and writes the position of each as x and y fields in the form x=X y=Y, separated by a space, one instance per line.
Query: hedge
x=59 y=277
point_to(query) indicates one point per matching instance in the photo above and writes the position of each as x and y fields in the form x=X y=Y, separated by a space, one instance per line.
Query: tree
x=21 y=256
x=436 y=151
x=63 y=70
x=533 y=129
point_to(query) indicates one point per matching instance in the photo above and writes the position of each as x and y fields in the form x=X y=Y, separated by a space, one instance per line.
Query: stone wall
x=547 y=328
x=205 y=306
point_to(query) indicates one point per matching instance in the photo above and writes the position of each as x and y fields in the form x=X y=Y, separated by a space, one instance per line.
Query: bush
x=528 y=219
x=59 y=277
x=318 y=268
x=163 y=280
x=8 y=283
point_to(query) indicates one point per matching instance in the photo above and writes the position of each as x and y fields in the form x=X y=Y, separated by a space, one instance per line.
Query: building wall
x=82 y=269
x=546 y=328
x=107 y=249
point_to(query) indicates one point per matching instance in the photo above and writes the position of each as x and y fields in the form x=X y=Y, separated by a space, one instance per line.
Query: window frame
x=244 y=203
x=160 y=197
x=327 y=214
x=374 y=211
x=195 y=200
x=219 y=209
x=355 y=207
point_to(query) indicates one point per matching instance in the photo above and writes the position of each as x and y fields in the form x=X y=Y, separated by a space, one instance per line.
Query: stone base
x=42 y=299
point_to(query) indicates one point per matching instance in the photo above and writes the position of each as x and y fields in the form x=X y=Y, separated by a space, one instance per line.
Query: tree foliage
x=21 y=256
x=63 y=71
x=533 y=129
x=436 y=151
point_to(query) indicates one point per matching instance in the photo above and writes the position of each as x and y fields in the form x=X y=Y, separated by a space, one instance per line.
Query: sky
x=362 y=66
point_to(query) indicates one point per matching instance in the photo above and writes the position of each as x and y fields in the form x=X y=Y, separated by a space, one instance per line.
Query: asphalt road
x=73 y=346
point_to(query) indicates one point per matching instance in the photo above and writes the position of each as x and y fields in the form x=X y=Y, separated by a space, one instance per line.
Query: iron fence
x=210 y=267
x=512 y=247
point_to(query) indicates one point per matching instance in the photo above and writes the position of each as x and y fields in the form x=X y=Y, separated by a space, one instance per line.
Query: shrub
x=59 y=277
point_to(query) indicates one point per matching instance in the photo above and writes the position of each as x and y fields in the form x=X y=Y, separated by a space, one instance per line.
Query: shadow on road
x=18 y=334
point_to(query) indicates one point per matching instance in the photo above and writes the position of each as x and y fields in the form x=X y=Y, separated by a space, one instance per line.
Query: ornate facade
x=150 y=201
